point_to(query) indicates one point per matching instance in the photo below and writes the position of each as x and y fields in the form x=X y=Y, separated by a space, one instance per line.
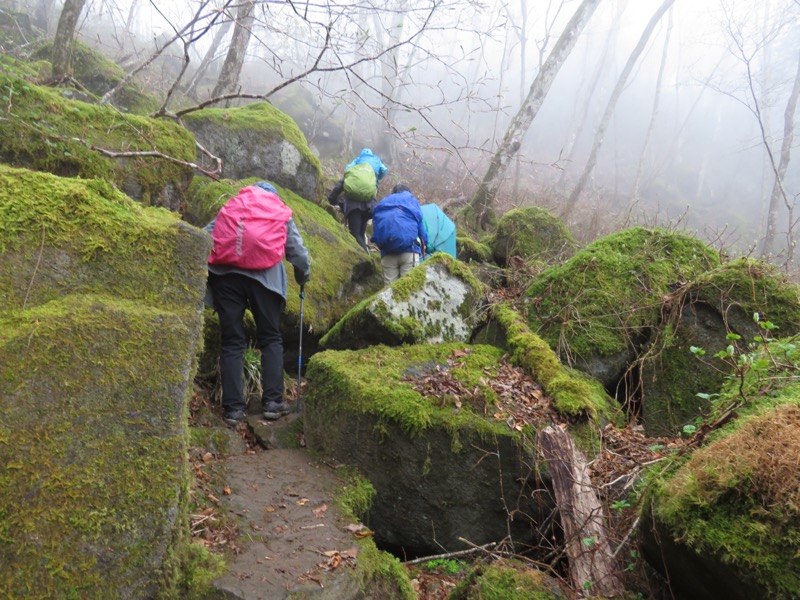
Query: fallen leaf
x=355 y=527
x=227 y=491
x=301 y=501
x=363 y=534
x=320 y=511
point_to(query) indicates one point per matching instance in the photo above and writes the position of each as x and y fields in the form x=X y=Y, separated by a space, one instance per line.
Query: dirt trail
x=289 y=526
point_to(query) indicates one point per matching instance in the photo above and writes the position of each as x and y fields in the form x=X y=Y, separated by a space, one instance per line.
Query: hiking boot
x=234 y=417
x=275 y=410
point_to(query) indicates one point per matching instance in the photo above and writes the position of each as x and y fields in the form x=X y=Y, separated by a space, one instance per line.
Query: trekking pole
x=300 y=350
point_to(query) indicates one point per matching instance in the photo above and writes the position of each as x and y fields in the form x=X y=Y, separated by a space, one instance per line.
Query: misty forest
x=594 y=395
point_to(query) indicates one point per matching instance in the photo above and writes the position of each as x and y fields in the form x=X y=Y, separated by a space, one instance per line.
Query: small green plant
x=448 y=566
x=620 y=505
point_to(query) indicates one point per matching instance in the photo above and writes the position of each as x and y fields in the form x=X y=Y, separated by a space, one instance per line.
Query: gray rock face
x=436 y=302
x=270 y=148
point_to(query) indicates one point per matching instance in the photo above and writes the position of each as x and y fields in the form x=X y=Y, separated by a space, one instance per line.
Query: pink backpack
x=250 y=230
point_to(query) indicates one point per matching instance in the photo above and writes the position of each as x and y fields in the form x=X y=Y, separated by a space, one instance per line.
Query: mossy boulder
x=470 y=250
x=97 y=74
x=15 y=29
x=100 y=327
x=426 y=460
x=258 y=140
x=714 y=311
x=342 y=274
x=437 y=301
x=531 y=233
x=601 y=306
x=724 y=522
x=508 y=580
x=43 y=131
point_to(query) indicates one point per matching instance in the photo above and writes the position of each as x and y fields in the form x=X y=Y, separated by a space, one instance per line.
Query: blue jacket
x=397 y=225
x=367 y=156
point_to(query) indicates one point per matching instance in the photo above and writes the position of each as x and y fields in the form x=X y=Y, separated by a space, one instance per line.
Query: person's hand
x=302 y=277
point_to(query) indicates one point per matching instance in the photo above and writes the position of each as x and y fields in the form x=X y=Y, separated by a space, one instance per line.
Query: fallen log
x=591 y=562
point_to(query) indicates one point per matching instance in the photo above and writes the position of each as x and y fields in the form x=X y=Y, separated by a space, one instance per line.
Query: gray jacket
x=274 y=278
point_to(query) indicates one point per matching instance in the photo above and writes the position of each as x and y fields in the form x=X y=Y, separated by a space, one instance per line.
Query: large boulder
x=601 y=307
x=532 y=233
x=47 y=132
x=725 y=522
x=98 y=75
x=711 y=314
x=427 y=459
x=101 y=325
x=258 y=140
x=437 y=301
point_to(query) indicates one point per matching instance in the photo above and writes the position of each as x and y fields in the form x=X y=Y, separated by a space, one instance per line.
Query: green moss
x=531 y=232
x=379 y=386
x=738 y=498
x=573 y=393
x=44 y=131
x=470 y=250
x=607 y=297
x=97 y=74
x=506 y=580
x=95 y=426
x=750 y=286
x=62 y=236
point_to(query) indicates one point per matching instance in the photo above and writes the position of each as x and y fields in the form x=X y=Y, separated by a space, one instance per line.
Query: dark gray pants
x=233 y=293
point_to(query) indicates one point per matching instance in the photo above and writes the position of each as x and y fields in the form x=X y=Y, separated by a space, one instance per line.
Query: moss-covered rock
x=470 y=250
x=437 y=301
x=258 y=140
x=600 y=307
x=725 y=521
x=43 y=131
x=426 y=460
x=61 y=236
x=97 y=74
x=531 y=233
x=703 y=314
x=508 y=580
x=99 y=326
x=573 y=393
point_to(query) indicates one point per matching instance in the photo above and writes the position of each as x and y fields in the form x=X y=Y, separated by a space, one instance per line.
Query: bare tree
x=61 y=56
x=480 y=204
x=779 y=194
x=653 y=114
x=232 y=68
x=612 y=103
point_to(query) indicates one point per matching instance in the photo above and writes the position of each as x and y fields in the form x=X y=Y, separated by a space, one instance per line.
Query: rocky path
x=293 y=541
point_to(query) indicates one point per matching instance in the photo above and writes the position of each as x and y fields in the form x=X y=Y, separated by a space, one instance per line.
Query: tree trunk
x=209 y=57
x=653 y=114
x=612 y=103
x=65 y=32
x=591 y=562
x=582 y=112
x=232 y=67
x=778 y=192
x=481 y=202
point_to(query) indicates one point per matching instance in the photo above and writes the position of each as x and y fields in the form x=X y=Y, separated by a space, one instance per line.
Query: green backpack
x=360 y=183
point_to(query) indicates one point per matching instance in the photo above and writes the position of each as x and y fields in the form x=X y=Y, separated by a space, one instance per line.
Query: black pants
x=357 y=220
x=233 y=293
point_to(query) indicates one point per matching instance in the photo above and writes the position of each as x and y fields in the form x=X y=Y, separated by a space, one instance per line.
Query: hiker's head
x=266 y=186
x=401 y=187
x=366 y=152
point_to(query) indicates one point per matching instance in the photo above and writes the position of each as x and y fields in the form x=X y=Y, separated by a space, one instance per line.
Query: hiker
x=248 y=273
x=399 y=232
x=360 y=186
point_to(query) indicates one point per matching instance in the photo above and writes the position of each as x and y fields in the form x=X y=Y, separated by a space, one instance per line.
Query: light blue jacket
x=368 y=156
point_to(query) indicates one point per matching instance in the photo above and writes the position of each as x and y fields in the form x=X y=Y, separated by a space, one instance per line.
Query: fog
x=433 y=86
